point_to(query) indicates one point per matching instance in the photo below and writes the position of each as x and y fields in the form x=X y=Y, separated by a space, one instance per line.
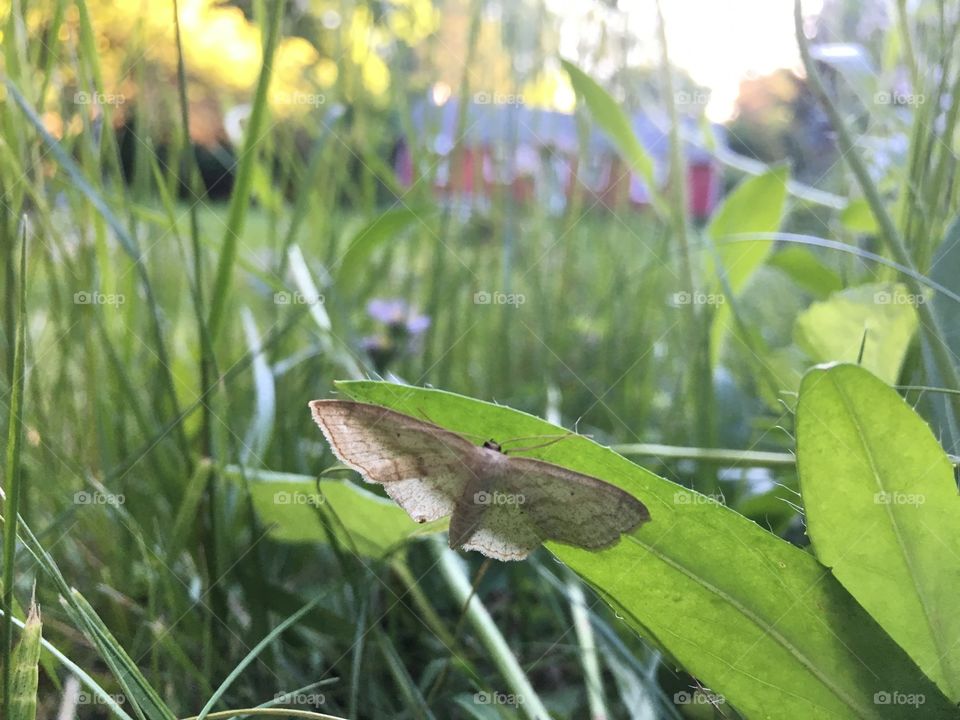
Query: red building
x=536 y=155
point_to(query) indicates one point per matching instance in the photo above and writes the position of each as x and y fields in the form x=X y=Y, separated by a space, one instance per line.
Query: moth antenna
x=423 y=414
x=556 y=439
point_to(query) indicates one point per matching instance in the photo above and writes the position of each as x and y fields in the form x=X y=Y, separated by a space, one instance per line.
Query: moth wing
x=421 y=466
x=569 y=507
x=504 y=532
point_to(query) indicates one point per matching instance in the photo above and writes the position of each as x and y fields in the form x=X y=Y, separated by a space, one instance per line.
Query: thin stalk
x=587 y=645
x=439 y=271
x=930 y=324
x=697 y=327
x=207 y=365
x=11 y=501
x=451 y=568
x=720 y=456
x=240 y=198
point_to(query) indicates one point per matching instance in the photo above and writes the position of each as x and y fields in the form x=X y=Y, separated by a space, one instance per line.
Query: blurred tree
x=777 y=119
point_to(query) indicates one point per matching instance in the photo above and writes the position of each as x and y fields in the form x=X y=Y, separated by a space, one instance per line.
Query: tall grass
x=145 y=352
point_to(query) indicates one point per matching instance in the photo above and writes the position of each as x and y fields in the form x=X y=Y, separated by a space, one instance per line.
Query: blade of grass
x=929 y=321
x=126 y=240
x=451 y=568
x=697 y=327
x=26 y=670
x=13 y=474
x=240 y=198
x=586 y=644
x=252 y=655
x=103 y=697
x=416 y=705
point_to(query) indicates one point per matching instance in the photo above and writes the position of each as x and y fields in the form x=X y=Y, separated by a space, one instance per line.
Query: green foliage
x=25 y=671
x=882 y=510
x=752 y=605
x=870 y=324
x=756 y=206
x=609 y=116
x=298 y=509
x=158 y=350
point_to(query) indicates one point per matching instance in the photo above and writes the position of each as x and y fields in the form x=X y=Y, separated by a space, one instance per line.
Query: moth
x=500 y=505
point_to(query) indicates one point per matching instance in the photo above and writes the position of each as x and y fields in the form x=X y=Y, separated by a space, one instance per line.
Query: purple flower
x=402 y=328
x=389 y=312
x=397 y=316
x=417 y=324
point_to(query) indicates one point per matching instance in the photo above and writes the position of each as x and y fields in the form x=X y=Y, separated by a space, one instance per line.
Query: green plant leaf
x=371 y=236
x=882 y=511
x=25 y=670
x=857 y=217
x=614 y=122
x=833 y=330
x=805 y=269
x=756 y=206
x=755 y=618
x=290 y=504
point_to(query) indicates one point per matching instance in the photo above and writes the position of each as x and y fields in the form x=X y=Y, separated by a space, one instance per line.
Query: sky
x=718 y=42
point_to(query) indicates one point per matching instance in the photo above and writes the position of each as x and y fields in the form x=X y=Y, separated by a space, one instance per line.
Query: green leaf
x=25 y=670
x=290 y=504
x=805 y=269
x=858 y=217
x=755 y=618
x=833 y=330
x=616 y=125
x=883 y=512
x=756 y=206
x=369 y=238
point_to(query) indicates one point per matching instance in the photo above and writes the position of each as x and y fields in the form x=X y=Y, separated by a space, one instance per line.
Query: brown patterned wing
x=423 y=467
x=541 y=501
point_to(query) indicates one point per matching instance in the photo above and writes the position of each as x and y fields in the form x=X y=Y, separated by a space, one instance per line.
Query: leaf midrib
x=942 y=659
x=763 y=626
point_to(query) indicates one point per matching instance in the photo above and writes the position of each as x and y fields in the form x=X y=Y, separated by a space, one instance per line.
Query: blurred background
x=522 y=202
